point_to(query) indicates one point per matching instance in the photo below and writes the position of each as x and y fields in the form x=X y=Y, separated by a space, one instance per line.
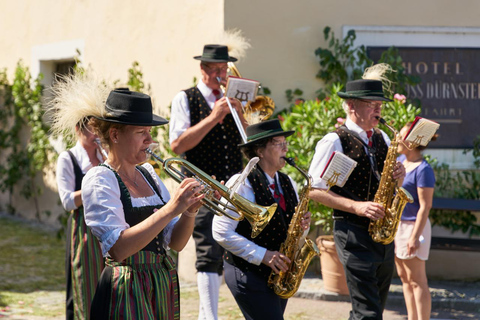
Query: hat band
x=263 y=134
x=365 y=93
x=128 y=116
x=214 y=56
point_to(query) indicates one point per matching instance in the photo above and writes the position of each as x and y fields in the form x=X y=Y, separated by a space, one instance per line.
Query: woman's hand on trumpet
x=187 y=196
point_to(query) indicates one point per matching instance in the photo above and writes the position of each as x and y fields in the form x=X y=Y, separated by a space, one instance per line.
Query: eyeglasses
x=372 y=103
x=281 y=144
x=214 y=70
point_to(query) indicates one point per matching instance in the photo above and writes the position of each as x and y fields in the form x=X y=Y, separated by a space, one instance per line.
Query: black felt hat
x=264 y=130
x=364 y=89
x=130 y=107
x=215 y=53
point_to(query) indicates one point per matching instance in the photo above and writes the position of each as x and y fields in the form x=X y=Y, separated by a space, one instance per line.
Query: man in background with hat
x=368 y=265
x=202 y=131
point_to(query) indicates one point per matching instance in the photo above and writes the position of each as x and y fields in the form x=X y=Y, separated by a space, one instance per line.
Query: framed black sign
x=449 y=91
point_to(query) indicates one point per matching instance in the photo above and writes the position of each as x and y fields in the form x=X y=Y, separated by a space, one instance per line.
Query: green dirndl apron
x=144 y=286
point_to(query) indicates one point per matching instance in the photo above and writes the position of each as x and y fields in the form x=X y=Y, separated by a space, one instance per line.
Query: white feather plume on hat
x=76 y=97
x=235 y=41
x=377 y=72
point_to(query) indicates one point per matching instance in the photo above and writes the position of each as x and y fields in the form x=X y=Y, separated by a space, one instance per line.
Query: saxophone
x=296 y=247
x=389 y=195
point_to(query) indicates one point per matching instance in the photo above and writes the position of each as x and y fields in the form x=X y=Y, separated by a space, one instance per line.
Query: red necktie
x=278 y=197
x=217 y=94
x=369 y=136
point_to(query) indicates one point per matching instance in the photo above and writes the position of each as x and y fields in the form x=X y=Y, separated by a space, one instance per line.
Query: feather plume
x=235 y=41
x=378 y=72
x=75 y=98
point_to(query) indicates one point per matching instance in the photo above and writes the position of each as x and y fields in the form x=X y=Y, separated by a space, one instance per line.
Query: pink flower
x=400 y=97
x=281 y=118
x=340 y=120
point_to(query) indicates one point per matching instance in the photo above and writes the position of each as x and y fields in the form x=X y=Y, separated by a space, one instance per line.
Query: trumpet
x=258 y=216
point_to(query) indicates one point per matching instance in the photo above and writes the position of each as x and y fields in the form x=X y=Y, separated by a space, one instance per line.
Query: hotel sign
x=449 y=91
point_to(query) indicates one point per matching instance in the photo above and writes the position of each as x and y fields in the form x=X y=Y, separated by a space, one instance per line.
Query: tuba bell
x=258 y=216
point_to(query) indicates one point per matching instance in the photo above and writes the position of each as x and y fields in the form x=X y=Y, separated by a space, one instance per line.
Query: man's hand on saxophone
x=277 y=261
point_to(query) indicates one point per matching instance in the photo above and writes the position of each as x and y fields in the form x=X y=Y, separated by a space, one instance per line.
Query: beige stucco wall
x=162 y=36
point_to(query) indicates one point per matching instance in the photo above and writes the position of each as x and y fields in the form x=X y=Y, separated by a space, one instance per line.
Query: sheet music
x=422 y=131
x=338 y=169
x=242 y=89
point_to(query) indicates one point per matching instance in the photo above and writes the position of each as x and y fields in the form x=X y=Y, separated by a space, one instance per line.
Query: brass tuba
x=296 y=247
x=261 y=108
x=258 y=216
x=389 y=195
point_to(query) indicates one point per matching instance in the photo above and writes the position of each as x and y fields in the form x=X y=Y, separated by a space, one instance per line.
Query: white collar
x=204 y=90
x=352 y=126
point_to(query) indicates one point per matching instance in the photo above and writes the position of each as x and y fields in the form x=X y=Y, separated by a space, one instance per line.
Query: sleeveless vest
x=135 y=215
x=362 y=183
x=275 y=232
x=218 y=153
x=77 y=171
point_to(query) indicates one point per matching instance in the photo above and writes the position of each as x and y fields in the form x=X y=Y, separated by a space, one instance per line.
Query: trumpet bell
x=258 y=216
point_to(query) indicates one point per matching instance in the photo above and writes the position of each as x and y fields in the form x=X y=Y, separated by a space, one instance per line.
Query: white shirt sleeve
x=66 y=181
x=223 y=230
x=180 y=116
x=324 y=149
x=103 y=208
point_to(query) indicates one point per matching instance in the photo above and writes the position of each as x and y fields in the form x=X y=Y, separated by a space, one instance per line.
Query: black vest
x=218 y=153
x=135 y=215
x=275 y=232
x=77 y=171
x=362 y=183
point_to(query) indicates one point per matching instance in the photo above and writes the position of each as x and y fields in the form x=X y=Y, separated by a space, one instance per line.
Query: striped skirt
x=86 y=264
x=143 y=287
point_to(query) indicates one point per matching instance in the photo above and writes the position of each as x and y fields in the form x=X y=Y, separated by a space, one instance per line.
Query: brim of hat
x=230 y=59
x=276 y=134
x=345 y=95
x=156 y=121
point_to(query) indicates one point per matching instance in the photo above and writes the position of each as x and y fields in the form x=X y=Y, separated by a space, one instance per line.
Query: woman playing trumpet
x=249 y=261
x=130 y=211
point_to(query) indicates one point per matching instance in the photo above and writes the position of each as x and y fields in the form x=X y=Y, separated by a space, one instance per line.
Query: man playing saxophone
x=368 y=264
x=250 y=261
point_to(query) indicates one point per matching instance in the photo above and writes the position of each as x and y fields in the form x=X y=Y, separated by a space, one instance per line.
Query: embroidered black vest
x=275 y=232
x=135 y=215
x=218 y=153
x=362 y=183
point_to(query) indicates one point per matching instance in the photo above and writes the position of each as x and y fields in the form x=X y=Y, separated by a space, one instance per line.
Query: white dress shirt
x=223 y=228
x=66 y=175
x=327 y=145
x=180 y=113
x=104 y=209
